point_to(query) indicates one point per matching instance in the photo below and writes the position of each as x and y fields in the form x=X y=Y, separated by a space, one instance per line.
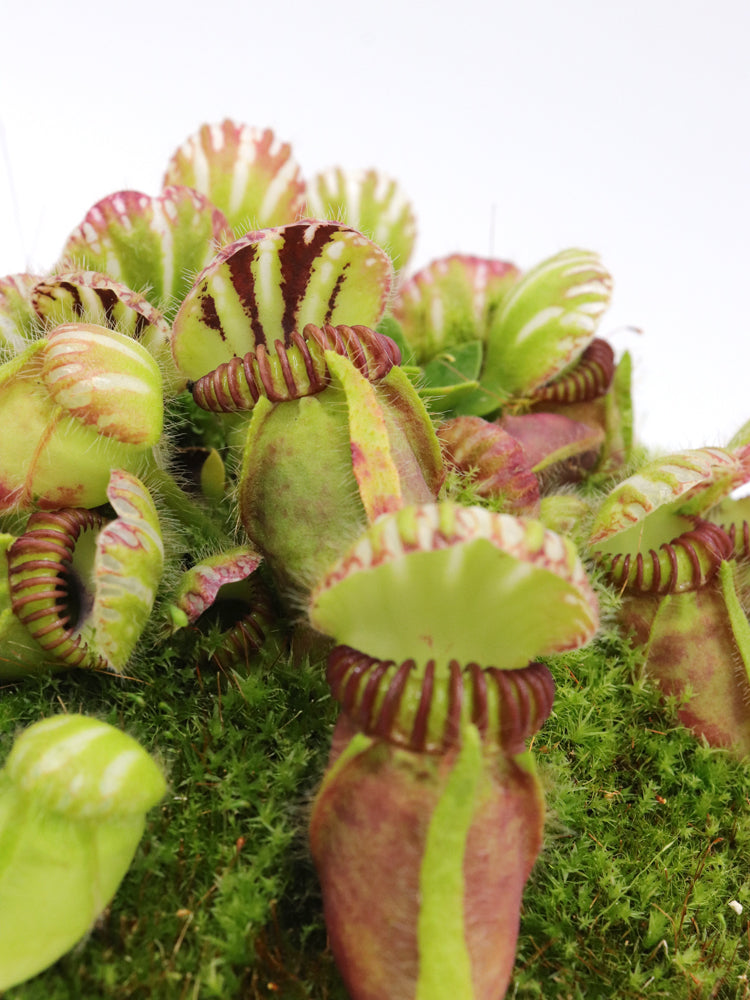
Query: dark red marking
x=297 y=257
x=240 y=270
x=141 y=323
x=335 y=292
x=109 y=300
x=209 y=316
x=74 y=294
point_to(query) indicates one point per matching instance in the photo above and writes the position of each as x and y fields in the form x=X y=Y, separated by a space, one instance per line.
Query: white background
x=517 y=129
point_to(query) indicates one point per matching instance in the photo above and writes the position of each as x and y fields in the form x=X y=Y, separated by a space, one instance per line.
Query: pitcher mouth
x=406 y=704
x=588 y=379
x=687 y=562
x=47 y=571
x=293 y=369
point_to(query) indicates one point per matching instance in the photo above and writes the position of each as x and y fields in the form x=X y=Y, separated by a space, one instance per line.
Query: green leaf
x=369 y=201
x=154 y=245
x=268 y=284
x=246 y=172
x=546 y=322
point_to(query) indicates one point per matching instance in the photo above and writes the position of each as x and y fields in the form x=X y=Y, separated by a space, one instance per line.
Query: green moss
x=224 y=855
x=647 y=839
x=647 y=836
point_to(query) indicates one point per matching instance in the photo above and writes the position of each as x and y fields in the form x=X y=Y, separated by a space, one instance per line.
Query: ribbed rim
x=407 y=704
x=39 y=574
x=290 y=371
x=687 y=562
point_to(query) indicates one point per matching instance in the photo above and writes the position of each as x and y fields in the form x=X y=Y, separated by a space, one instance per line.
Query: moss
x=647 y=839
x=223 y=863
x=647 y=836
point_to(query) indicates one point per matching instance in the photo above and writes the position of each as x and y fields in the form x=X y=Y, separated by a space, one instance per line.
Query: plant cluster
x=265 y=494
